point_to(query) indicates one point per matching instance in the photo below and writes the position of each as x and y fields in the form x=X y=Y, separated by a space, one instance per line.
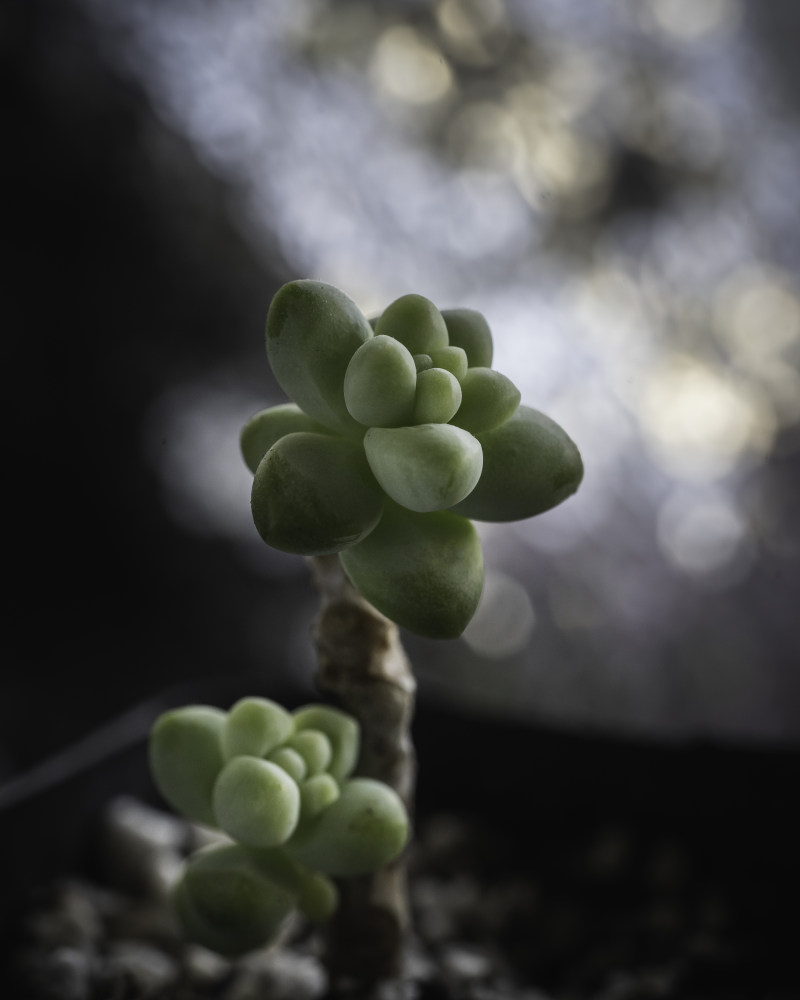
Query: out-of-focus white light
x=409 y=68
x=701 y=534
x=486 y=136
x=757 y=315
x=687 y=20
x=470 y=30
x=699 y=422
x=504 y=620
x=574 y=606
x=192 y=440
x=562 y=164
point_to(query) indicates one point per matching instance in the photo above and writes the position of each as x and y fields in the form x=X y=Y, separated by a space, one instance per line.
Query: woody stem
x=362 y=665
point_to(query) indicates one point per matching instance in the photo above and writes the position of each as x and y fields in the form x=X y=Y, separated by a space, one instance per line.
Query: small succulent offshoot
x=278 y=786
x=399 y=433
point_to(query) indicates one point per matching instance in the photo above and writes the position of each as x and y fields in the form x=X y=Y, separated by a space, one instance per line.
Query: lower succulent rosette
x=279 y=787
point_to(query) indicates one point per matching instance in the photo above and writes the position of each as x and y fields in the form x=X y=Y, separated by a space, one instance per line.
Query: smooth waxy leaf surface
x=186 y=758
x=228 y=903
x=318 y=897
x=380 y=382
x=488 y=400
x=415 y=322
x=290 y=761
x=254 y=726
x=530 y=464
x=425 y=467
x=256 y=802
x=314 y=747
x=437 y=398
x=341 y=729
x=365 y=828
x=467 y=329
x=313 y=330
x=314 y=494
x=424 y=571
x=316 y=794
x=267 y=426
x=453 y=359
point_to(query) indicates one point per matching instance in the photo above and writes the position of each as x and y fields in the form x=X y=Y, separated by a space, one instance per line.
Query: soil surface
x=605 y=910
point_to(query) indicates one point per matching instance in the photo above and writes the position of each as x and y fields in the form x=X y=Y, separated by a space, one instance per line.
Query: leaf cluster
x=399 y=434
x=279 y=787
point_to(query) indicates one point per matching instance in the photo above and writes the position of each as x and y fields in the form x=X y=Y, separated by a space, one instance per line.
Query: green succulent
x=279 y=786
x=399 y=433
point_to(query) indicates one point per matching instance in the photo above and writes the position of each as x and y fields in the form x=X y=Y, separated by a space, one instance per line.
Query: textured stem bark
x=362 y=665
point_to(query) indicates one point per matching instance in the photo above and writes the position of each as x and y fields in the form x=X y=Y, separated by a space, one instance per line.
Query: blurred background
x=615 y=185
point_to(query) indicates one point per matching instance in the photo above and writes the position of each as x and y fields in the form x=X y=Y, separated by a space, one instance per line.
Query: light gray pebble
x=62 y=973
x=74 y=918
x=418 y=964
x=205 y=968
x=146 y=968
x=279 y=974
x=442 y=906
x=465 y=962
x=503 y=992
x=149 y=920
x=396 y=990
x=143 y=847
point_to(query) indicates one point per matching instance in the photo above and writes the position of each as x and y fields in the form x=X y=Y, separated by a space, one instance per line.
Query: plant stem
x=363 y=666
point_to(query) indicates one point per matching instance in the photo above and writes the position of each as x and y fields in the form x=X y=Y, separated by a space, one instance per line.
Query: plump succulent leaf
x=290 y=761
x=276 y=865
x=314 y=747
x=256 y=802
x=426 y=467
x=488 y=400
x=266 y=427
x=438 y=397
x=468 y=329
x=186 y=757
x=319 y=897
x=314 y=494
x=530 y=464
x=423 y=571
x=230 y=904
x=313 y=330
x=451 y=358
x=380 y=382
x=316 y=794
x=415 y=322
x=255 y=726
x=341 y=729
x=365 y=828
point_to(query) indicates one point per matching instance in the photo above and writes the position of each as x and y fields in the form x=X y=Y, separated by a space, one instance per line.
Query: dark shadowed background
x=614 y=185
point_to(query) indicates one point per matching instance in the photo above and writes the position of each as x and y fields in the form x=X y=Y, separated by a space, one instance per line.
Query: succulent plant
x=399 y=433
x=279 y=787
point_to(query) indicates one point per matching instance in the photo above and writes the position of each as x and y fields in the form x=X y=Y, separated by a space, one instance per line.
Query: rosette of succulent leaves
x=399 y=433
x=278 y=787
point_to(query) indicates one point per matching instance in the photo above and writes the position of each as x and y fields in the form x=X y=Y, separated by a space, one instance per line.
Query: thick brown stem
x=362 y=665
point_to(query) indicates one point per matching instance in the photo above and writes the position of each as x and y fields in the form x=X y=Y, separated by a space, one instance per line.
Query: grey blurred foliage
x=614 y=185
